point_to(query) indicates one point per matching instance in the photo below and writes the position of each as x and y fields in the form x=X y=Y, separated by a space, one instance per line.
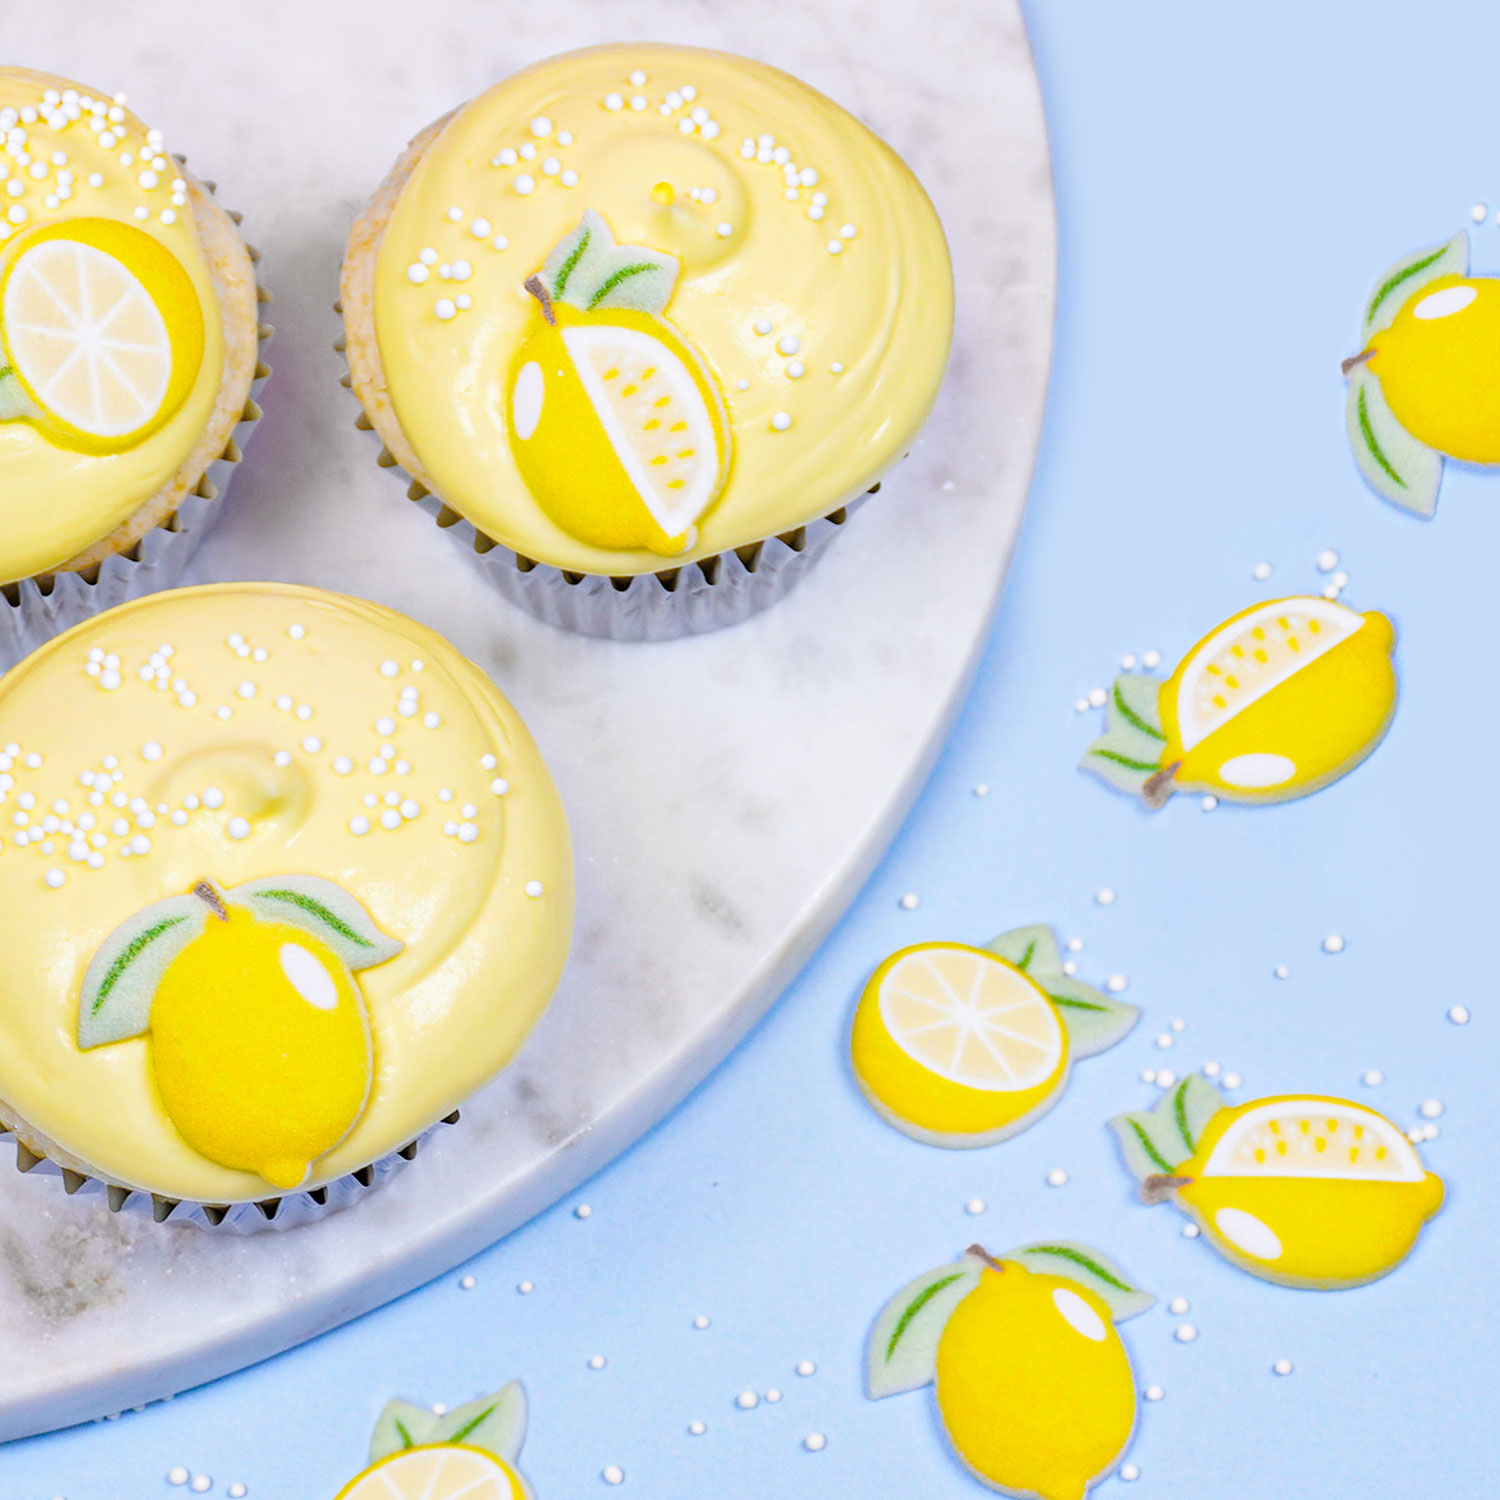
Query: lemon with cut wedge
x=102 y=334
x=616 y=422
x=443 y=1471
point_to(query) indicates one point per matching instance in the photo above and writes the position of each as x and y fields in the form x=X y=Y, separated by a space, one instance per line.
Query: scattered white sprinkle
x=179 y=1475
x=1129 y=1472
x=54 y=879
x=1281 y=972
x=1165 y=1078
x=697 y=1428
x=1057 y=1178
x=1327 y=560
x=1209 y=802
x=1479 y=213
x=1333 y=943
x=1185 y=1333
x=1115 y=983
x=445 y=308
x=597 y=1361
x=342 y=765
x=499 y=786
x=1165 y=1039
x=467 y=833
x=1148 y=1075
x=700 y=1322
x=390 y=819
x=1372 y=1078
x=1106 y=897
x=613 y=1474
x=431 y=721
x=582 y=1211
x=1430 y=1109
x=1190 y=1231
x=467 y=1283
x=1459 y=1015
x=525 y=1288
x=1211 y=1070
x=1232 y=1080
x=815 y=1442
x=534 y=888
x=773 y=1395
x=780 y=421
x=151 y=750
x=1179 y=1305
x=806 y=1367
x=201 y=1484
x=910 y=901
x=1282 y=1367
x=746 y=1400
x=524 y=184
x=359 y=825
x=975 y=1206
x=238 y=828
x=1261 y=571
x=237 y=1491
x=1153 y=1393
x=1097 y=698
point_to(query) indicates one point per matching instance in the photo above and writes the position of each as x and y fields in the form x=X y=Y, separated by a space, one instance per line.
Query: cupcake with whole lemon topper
x=649 y=321
x=1303 y=1190
x=470 y=1452
x=1034 y=1386
x=285 y=881
x=129 y=354
x=1279 y=701
x=960 y=1046
x=1423 y=387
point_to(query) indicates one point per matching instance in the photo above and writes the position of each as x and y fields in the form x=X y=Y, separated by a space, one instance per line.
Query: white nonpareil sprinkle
x=1282 y=1367
x=613 y=1474
x=1116 y=983
x=597 y=1361
x=747 y=1400
x=55 y=878
x=533 y=888
x=359 y=825
x=815 y=1442
x=1106 y=897
x=910 y=901
x=700 y=1322
x=1185 y=1333
x=1430 y=1109
x=975 y=1206
x=583 y=1211
x=1179 y=1305
x=1333 y=943
x=1153 y=1393
x=781 y=421
x=238 y=828
x=1372 y=1078
x=499 y=786
x=525 y=1288
x=1057 y=1178
x=1232 y=1080
x=201 y=1484
x=179 y=1475
x=806 y=1367
x=697 y=1428
x=1327 y=560
x=1459 y=1015
x=151 y=750
x=1129 y=1472
x=525 y=184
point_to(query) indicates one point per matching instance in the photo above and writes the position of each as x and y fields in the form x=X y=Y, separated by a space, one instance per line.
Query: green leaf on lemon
x=124 y=974
x=1032 y=949
x=1090 y=1268
x=1159 y=1140
x=902 y=1352
x=1092 y=1019
x=324 y=909
x=1129 y=751
x=589 y=271
x=496 y=1423
x=1397 y=466
x=1400 y=281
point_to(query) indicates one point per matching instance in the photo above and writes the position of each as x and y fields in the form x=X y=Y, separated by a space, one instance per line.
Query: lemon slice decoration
x=1303 y=1190
x=468 y=1453
x=1034 y=1385
x=261 y=1047
x=101 y=334
x=962 y=1046
x=1279 y=701
x=616 y=423
x=1425 y=384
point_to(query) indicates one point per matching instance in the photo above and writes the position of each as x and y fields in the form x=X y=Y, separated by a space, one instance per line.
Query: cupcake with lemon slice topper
x=642 y=324
x=286 y=880
x=129 y=352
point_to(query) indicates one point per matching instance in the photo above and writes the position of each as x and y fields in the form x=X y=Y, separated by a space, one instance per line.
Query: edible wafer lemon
x=1309 y=1191
x=1034 y=1385
x=446 y=1471
x=1279 y=700
x=954 y=1044
x=102 y=333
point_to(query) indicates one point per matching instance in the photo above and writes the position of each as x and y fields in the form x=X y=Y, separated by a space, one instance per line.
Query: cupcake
x=284 y=879
x=643 y=324
x=129 y=351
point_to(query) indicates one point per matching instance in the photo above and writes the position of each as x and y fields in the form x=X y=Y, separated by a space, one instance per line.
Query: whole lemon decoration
x=1305 y=1190
x=260 y=1044
x=468 y=1453
x=1034 y=1384
x=962 y=1046
x=616 y=423
x=1277 y=702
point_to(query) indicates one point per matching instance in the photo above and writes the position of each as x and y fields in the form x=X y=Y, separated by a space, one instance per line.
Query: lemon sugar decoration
x=1423 y=385
x=618 y=425
x=260 y=1042
x=1281 y=700
x=1034 y=1385
x=1307 y=1191
x=962 y=1046
x=468 y=1453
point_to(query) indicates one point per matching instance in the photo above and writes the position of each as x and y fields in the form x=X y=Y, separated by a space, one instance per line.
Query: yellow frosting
x=54 y=500
x=236 y=732
x=814 y=281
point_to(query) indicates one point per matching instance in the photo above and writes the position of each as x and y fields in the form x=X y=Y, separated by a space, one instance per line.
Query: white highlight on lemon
x=1079 y=1314
x=1445 y=303
x=1257 y=770
x=308 y=977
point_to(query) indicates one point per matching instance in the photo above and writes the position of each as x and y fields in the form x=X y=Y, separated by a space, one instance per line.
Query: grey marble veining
x=728 y=793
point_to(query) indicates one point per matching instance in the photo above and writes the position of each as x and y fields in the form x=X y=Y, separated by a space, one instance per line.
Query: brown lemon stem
x=1160 y=1186
x=1158 y=788
x=533 y=284
x=980 y=1253
x=1356 y=359
x=211 y=899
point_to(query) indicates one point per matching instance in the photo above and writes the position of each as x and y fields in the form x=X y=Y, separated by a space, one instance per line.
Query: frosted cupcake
x=647 y=321
x=284 y=881
x=129 y=347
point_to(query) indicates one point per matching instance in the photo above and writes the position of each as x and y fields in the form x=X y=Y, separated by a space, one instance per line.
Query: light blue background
x=1230 y=182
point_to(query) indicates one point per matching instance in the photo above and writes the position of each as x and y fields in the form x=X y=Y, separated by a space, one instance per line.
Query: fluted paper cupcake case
x=282 y=1211
x=690 y=599
x=32 y=611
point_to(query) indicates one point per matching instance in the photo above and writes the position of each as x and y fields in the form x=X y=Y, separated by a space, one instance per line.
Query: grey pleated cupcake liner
x=32 y=612
x=283 y=1211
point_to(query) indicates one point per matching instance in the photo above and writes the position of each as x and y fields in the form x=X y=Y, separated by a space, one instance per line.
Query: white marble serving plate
x=728 y=794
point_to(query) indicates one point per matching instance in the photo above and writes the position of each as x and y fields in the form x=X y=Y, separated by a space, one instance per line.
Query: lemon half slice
x=1314 y=1138
x=103 y=331
x=443 y=1472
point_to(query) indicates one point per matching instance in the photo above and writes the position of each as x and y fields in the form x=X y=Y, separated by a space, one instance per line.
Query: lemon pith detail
x=1304 y=1190
x=616 y=423
x=963 y=1046
x=1034 y=1385
x=1279 y=701
x=260 y=1045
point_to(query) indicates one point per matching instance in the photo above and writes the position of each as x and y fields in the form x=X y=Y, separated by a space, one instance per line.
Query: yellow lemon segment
x=1439 y=366
x=1313 y=1192
x=441 y=1472
x=260 y=1046
x=617 y=428
x=1034 y=1384
x=102 y=329
x=1280 y=700
x=954 y=1044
